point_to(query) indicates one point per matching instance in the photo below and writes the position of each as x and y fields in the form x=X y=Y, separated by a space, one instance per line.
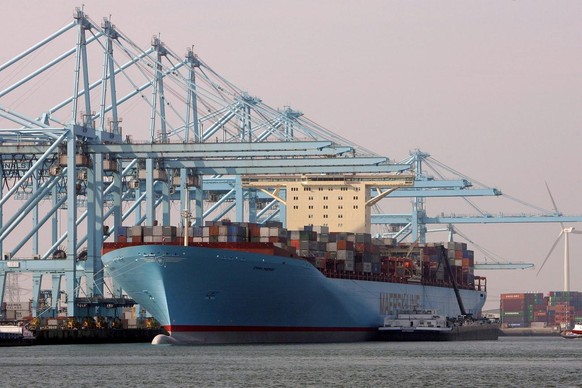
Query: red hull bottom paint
x=245 y=334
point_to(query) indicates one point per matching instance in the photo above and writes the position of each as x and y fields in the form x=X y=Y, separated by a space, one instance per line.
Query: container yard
x=536 y=314
x=58 y=331
x=70 y=330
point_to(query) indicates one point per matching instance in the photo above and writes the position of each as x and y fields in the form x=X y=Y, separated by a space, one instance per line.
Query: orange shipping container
x=342 y=245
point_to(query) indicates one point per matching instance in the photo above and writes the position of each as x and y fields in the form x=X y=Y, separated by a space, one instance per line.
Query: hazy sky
x=492 y=89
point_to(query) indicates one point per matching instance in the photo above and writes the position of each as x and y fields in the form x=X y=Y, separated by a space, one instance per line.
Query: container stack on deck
x=462 y=260
x=10 y=311
x=333 y=253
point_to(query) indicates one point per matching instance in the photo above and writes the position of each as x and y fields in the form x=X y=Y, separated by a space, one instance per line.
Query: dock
x=94 y=336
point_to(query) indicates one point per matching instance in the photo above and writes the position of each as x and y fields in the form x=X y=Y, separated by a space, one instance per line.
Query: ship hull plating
x=211 y=295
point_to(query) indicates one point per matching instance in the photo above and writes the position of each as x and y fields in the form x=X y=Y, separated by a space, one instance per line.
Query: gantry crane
x=192 y=138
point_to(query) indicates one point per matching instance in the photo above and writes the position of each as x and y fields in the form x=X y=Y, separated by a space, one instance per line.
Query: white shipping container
x=349 y=265
x=18 y=306
x=367 y=267
x=277 y=232
x=169 y=230
x=345 y=255
x=52 y=323
x=320 y=229
x=294 y=235
x=134 y=230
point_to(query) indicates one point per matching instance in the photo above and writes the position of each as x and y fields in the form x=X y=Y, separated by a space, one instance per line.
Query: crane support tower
x=73 y=170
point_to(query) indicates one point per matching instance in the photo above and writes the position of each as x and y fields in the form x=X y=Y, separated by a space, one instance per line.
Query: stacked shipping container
x=15 y=310
x=517 y=310
x=331 y=252
x=564 y=307
x=526 y=309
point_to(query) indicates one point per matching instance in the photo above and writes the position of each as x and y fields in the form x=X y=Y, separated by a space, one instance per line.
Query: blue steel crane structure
x=414 y=224
x=75 y=157
x=203 y=133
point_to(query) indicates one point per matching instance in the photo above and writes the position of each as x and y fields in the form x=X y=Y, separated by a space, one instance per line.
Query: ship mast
x=186 y=215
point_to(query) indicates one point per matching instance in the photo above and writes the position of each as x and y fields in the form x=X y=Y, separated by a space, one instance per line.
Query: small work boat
x=576 y=332
x=15 y=334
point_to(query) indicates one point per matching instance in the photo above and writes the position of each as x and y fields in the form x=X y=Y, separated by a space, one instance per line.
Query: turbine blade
x=554 y=203
x=550 y=252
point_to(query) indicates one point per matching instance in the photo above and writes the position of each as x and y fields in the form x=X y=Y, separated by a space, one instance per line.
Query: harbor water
x=508 y=362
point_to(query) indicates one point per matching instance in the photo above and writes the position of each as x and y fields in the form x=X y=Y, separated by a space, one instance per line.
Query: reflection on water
x=511 y=361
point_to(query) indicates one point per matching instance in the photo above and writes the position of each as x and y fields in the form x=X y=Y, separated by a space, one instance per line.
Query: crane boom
x=485 y=266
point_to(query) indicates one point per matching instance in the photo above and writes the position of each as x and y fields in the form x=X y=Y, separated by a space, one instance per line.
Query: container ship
x=247 y=283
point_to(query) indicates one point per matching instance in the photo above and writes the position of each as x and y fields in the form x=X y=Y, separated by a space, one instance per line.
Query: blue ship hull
x=214 y=295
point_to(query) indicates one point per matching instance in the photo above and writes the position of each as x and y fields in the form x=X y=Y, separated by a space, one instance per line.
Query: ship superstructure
x=339 y=202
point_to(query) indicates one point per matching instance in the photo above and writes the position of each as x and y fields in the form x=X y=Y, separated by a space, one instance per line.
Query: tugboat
x=576 y=332
x=15 y=334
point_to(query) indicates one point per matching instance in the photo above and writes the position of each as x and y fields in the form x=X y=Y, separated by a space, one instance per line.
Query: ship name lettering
x=268 y=269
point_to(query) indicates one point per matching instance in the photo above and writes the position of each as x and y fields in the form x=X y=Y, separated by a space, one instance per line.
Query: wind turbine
x=563 y=232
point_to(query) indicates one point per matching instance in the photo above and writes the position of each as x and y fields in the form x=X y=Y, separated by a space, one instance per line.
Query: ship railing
x=480 y=283
x=378 y=277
